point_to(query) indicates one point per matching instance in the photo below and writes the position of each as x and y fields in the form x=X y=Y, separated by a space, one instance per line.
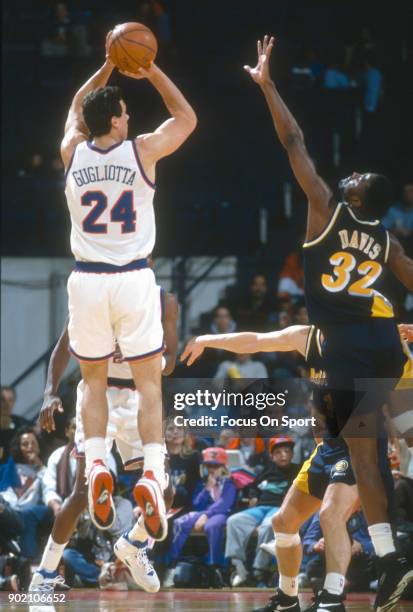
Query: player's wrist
x=266 y=84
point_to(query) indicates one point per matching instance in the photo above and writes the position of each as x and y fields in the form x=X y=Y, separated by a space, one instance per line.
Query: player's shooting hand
x=107 y=45
x=51 y=403
x=141 y=73
x=192 y=351
x=261 y=73
x=406 y=331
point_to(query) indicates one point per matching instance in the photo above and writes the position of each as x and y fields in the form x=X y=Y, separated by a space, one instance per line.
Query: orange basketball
x=132 y=46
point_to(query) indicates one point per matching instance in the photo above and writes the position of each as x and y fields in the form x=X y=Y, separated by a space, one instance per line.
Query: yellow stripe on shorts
x=301 y=480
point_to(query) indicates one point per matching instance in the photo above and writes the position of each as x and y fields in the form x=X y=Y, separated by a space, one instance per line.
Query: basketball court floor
x=182 y=600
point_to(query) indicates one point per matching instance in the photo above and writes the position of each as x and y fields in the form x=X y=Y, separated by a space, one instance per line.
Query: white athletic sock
x=52 y=555
x=411 y=450
x=95 y=448
x=382 y=538
x=138 y=532
x=154 y=461
x=288 y=585
x=334 y=583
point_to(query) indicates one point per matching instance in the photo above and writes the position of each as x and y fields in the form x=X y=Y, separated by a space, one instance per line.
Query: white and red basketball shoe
x=101 y=506
x=149 y=497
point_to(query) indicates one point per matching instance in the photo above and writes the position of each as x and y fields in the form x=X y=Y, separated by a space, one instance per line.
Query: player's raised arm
x=57 y=365
x=293 y=338
x=170 y=135
x=400 y=264
x=291 y=137
x=75 y=127
x=170 y=333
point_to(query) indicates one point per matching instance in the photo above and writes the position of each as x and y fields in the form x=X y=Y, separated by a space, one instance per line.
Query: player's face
x=123 y=121
x=354 y=187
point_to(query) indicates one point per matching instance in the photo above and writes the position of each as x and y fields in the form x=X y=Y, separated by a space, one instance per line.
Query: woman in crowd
x=28 y=497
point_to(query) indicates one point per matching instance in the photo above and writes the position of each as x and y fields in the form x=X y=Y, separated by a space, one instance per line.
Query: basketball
x=132 y=46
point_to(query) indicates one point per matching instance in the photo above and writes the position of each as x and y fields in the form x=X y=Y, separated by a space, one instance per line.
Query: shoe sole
x=147 y=497
x=122 y=558
x=100 y=484
x=397 y=593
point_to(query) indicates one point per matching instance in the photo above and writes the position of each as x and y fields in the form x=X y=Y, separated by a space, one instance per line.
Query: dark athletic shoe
x=396 y=573
x=280 y=602
x=326 y=602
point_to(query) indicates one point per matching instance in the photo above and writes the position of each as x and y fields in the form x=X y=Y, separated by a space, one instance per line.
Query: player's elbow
x=293 y=140
x=191 y=120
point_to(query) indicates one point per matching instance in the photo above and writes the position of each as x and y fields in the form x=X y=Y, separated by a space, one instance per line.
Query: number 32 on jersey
x=344 y=263
x=121 y=212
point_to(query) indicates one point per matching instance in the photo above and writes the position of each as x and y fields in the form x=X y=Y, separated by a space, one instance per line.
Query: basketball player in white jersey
x=123 y=402
x=112 y=291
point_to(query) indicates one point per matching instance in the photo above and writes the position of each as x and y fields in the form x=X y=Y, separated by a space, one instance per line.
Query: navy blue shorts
x=329 y=463
x=363 y=362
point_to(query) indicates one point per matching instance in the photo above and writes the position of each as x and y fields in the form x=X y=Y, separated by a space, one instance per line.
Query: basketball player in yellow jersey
x=346 y=254
x=112 y=291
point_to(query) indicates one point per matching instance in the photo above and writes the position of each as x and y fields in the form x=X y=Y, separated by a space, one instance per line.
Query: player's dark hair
x=377 y=197
x=99 y=106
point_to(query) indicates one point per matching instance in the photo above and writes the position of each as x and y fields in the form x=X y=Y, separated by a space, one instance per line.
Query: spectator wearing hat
x=265 y=494
x=212 y=502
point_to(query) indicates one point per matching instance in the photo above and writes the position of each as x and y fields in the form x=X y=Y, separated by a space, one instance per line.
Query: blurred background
x=230 y=217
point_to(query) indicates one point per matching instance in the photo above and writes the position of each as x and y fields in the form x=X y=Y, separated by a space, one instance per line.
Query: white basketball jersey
x=111 y=204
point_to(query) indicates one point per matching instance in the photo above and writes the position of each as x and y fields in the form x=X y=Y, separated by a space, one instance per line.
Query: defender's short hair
x=378 y=197
x=99 y=106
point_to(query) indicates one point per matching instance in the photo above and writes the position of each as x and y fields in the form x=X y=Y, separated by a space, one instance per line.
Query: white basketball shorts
x=123 y=405
x=122 y=305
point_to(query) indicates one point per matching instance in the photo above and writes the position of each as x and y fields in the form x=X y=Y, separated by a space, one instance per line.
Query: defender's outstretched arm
x=291 y=137
x=293 y=338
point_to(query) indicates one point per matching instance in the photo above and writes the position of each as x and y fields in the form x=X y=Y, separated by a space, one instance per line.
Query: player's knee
x=330 y=515
x=280 y=523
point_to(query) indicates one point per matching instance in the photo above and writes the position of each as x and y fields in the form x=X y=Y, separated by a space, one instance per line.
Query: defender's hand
x=192 y=351
x=261 y=73
x=51 y=403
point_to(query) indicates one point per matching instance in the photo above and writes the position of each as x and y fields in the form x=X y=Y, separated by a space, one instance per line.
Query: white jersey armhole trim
x=352 y=213
x=308 y=343
x=138 y=161
x=70 y=164
x=386 y=253
x=326 y=229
